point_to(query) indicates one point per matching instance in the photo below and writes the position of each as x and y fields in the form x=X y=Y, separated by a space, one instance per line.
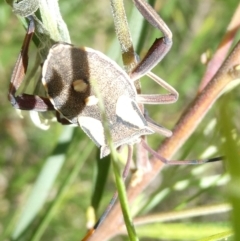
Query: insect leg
x=159 y=48
x=171 y=97
x=178 y=162
x=25 y=101
x=156 y=127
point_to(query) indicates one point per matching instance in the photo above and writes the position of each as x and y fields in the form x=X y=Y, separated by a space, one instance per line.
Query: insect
x=77 y=79
x=73 y=76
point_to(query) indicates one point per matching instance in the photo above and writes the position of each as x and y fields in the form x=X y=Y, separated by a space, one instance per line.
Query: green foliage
x=26 y=150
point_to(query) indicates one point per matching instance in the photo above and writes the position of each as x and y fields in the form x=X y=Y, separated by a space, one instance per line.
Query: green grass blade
x=219 y=236
x=44 y=183
x=124 y=202
x=63 y=189
x=181 y=231
x=231 y=151
x=100 y=177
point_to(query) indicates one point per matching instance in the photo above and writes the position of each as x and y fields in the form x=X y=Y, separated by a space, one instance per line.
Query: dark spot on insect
x=68 y=67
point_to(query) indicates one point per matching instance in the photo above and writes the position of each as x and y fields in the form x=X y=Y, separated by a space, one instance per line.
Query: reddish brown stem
x=222 y=50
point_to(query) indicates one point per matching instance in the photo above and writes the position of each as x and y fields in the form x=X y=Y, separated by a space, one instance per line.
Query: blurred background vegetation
x=197 y=26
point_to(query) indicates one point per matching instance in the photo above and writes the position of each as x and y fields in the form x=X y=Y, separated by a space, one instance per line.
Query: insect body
x=73 y=77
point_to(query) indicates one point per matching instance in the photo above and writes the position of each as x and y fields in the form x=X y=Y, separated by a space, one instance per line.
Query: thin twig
x=222 y=50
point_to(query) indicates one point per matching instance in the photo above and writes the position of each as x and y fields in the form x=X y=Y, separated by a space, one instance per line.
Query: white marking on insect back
x=126 y=111
x=104 y=151
x=93 y=128
x=91 y=100
x=44 y=69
